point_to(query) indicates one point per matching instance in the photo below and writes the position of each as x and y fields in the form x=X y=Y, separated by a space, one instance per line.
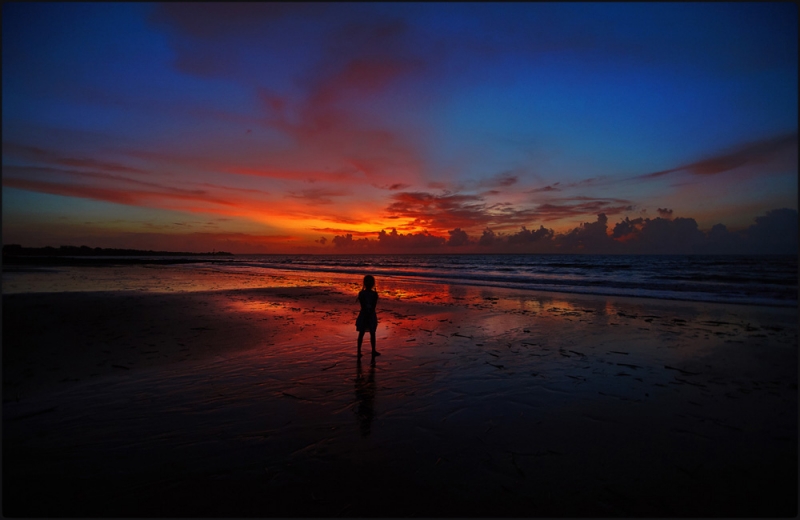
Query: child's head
x=369 y=282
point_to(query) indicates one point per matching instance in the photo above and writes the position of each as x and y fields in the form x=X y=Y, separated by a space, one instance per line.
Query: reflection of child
x=367 y=319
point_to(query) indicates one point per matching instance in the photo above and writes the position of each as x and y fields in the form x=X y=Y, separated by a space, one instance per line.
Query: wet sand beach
x=160 y=391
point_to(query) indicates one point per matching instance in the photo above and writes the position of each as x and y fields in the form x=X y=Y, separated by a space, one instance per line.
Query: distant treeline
x=18 y=250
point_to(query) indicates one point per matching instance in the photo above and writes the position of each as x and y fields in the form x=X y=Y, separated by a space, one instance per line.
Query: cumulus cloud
x=775 y=232
x=487 y=238
x=665 y=213
x=458 y=237
x=721 y=241
x=395 y=240
x=625 y=229
x=348 y=242
x=660 y=236
x=588 y=237
x=680 y=235
x=391 y=242
x=525 y=236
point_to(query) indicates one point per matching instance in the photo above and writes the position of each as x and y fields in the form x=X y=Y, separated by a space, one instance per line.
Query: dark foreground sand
x=171 y=399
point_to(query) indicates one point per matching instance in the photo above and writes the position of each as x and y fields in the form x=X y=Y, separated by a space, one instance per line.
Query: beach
x=164 y=391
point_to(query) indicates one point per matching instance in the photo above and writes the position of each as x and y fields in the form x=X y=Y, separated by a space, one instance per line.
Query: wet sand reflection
x=492 y=403
x=365 y=397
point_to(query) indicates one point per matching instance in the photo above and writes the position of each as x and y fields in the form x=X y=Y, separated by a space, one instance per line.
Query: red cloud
x=324 y=114
x=443 y=212
x=440 y=212
x=361 y=77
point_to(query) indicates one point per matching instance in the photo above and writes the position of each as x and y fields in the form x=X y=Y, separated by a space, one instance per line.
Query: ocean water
x=755 y=280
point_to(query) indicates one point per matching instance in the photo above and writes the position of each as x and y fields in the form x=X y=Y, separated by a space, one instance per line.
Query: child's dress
x=367 y=319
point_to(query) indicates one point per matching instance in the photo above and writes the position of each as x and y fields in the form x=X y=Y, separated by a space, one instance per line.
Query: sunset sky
x=261 y=128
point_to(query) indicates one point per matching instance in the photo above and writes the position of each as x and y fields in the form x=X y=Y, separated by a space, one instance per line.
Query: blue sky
x=278 y=127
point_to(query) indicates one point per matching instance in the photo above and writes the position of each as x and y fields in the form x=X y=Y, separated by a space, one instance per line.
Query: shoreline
x=485 y=401
x=32 y=283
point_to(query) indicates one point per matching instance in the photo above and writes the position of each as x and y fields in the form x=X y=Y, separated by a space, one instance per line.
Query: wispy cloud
x=501 y=180
x=36 y=154
x=151 y=198
x=752 y=153
x=317 y=196
x=545 y=189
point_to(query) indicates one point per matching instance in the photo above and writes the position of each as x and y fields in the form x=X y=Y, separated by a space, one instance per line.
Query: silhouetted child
x=367 y=319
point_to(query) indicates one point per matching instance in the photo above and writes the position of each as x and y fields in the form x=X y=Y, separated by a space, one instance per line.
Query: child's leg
x=372 y=342
x=360 y=340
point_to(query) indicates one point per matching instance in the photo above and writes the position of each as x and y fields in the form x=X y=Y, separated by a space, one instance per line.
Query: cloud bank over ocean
x=772 y=233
